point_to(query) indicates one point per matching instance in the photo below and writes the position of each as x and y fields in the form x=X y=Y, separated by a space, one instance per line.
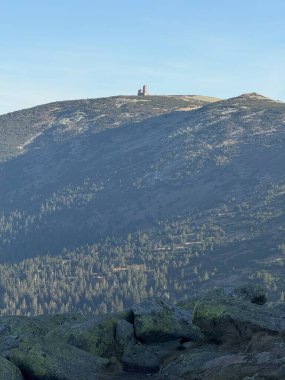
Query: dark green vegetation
x=228 y=333
x=108 y=201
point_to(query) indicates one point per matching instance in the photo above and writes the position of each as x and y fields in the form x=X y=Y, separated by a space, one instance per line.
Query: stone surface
x=148 y=358
x=192 y=361
x=158 y=321
x=205 y=364
x=57 y=362
x=95 y=335
x=8 y=371
x=241 y=339
x=16 y=329
x=252 y=293
x=262 y=367
x=125 y=334
x=264 y=342
x=234 y=321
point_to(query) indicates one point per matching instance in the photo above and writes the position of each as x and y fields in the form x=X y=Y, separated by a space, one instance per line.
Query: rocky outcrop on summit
x=226 y=333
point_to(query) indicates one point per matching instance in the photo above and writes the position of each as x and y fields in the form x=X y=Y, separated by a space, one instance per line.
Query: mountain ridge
x=43 y=115
x=27 y=124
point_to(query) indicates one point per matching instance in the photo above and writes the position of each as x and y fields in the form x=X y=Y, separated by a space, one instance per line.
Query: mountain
x=137 y=196
x=64 y=161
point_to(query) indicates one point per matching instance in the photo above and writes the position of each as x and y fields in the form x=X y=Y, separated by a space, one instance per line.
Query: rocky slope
x=227 y=333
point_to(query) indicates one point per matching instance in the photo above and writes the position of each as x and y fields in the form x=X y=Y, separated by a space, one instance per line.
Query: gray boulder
x=189 y=363
x=265 y=342
x=252 y=293
x=57 y=362
x=211 y=363
x=262 y=366
x=17 y=329
x=233 y=321
x=148 y=358
x=95 y=335
x=159 y=321
x=125 y=334
x=8 y=370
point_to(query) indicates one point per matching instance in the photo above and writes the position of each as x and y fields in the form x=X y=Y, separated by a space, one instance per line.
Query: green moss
x=96 y=336
x=100 y=339
x=208 y=310
x=30 y=359
x=8 y=371
x=57 y=361
x=163 y=322
x=188 y=305
x=18 y=326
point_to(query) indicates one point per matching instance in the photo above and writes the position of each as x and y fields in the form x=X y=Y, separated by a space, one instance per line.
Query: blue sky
x=58 y=49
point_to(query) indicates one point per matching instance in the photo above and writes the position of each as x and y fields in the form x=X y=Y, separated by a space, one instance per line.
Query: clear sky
x=69 y=49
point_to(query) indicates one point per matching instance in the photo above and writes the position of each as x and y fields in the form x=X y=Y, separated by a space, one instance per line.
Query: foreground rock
x=208 y=363
x=233 y=321
x=226 y=334
x=125 y=335
x=95 y=335
x=58 y=362
x=8 y=371
x=15 y=330
x=158 y=321
x=148 y=358
x=195 y=361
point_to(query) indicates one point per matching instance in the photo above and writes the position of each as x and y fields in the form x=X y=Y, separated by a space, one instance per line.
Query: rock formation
x=225 y=334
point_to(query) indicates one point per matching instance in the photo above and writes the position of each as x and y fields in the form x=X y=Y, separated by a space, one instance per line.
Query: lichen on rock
x=159 y=321
x=57 y=361
x=95 y=335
